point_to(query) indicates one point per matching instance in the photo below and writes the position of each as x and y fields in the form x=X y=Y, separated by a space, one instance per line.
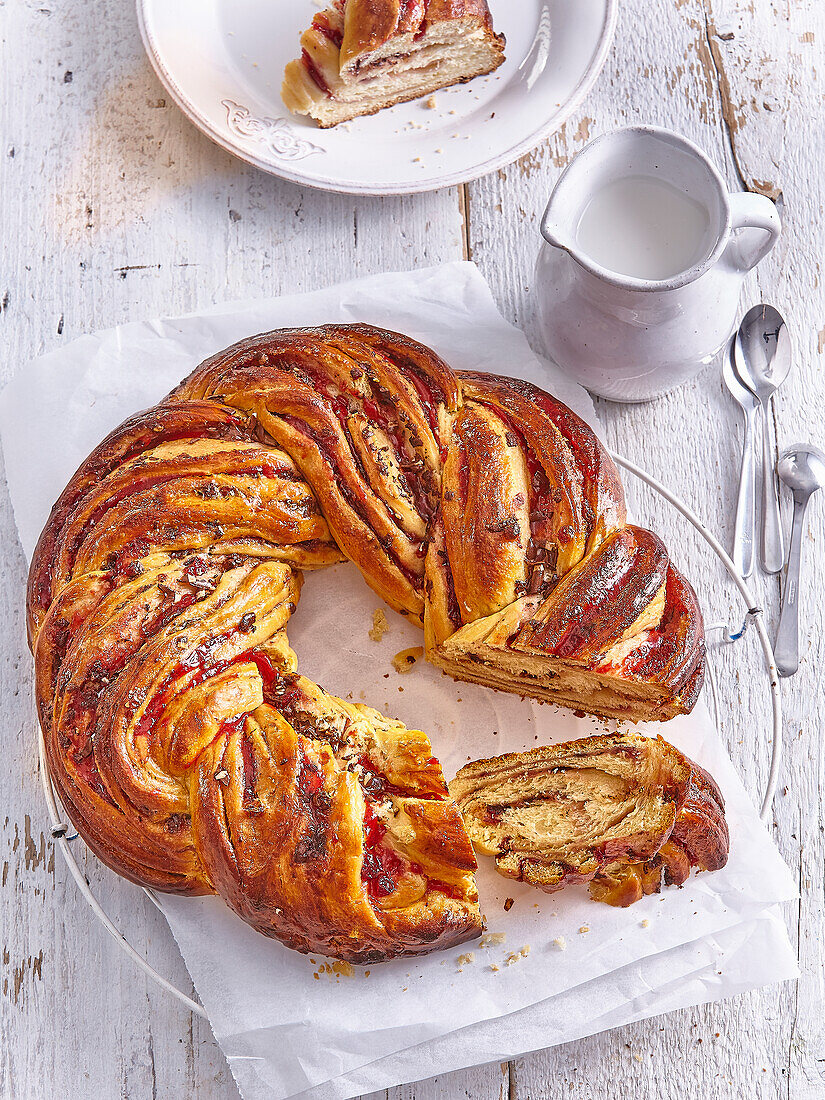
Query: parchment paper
x=290 y=1024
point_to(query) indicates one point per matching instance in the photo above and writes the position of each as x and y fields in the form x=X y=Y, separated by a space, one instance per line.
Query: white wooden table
x=114 y=208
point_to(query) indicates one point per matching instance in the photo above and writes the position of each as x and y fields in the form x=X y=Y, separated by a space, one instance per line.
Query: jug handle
x=758 y=216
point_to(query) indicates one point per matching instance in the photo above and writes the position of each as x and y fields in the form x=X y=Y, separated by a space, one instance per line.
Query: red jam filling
x=321 y=24
x=425 y=396
x=382 y=867
x=86 y=770
x=312 y=69
x=81 y=712
x=316 y=803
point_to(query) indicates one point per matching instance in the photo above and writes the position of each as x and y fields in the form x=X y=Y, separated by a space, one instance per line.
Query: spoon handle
x=773 y=546
x=745 y=529
x=786 y=648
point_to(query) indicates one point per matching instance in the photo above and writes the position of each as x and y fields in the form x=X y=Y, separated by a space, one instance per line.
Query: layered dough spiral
x=185 y=746
x=621 y=812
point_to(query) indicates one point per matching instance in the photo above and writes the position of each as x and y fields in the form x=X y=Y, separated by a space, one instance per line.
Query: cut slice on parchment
x=619 y=811
x=359 y=56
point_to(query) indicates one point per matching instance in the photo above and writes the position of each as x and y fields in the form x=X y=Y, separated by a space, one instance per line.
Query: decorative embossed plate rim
x=63 y=834
x=204 y=52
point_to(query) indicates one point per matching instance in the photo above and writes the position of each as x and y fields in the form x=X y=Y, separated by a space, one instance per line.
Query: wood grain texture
x=115 y=208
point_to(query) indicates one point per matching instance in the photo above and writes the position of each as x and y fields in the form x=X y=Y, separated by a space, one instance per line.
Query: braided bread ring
x=186 y=748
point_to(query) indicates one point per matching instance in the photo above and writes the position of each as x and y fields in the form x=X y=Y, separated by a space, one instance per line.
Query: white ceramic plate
x=222 y=62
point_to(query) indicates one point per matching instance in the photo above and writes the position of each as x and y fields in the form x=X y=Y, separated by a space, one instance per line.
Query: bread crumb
x=560 y=942
x=431 y=103
x=645 y=923
x=344 y=968
x=491 y=939
x=584 y=928
x=638 y=1057
x=494 y=967
x=380 y=626
x=465 y=959
x=516 y=955
x=508 y=905
x=404 y=661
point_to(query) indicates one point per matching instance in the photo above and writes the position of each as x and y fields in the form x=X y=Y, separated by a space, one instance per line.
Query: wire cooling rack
x=64 y=834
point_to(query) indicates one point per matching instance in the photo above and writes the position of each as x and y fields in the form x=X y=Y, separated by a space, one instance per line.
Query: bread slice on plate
x=359 y=56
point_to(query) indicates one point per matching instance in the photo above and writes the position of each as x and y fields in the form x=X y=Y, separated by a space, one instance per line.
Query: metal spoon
x=802 y=469
x=761 y=360
x=745 y=529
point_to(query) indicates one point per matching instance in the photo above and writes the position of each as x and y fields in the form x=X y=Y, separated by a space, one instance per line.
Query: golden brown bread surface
x=360 y=56
x=617 y=811
x=162 y=585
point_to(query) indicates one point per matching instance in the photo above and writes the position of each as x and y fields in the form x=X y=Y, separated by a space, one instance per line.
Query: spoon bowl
x=802 y=469
x=762 y=352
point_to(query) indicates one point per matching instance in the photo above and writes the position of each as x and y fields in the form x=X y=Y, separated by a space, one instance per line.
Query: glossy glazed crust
x=619 y=811
x=370 y=24
x=162 y=585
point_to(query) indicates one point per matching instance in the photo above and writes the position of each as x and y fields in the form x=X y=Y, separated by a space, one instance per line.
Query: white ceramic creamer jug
x=638 y=284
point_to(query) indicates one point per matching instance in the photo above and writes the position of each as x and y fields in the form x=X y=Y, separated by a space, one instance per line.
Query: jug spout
x=554 y=229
